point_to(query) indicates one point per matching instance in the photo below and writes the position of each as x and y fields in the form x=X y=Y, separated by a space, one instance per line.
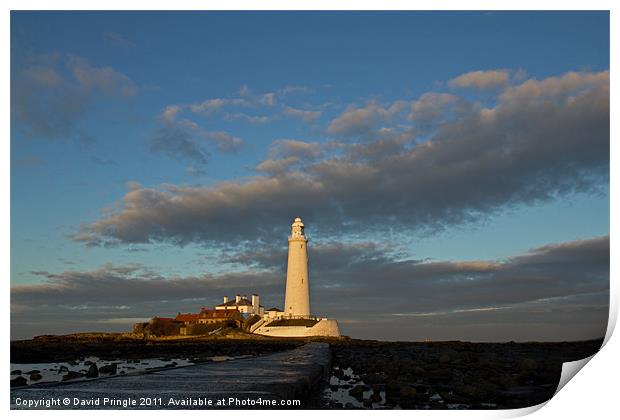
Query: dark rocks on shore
x=72 y=375
x=448 y=356
x=376 y=397
x=357 y=392
x=109 y=369
x=55 y=349
x=36 y=377
x=527 y=365
x=93 y=371
x=19 y=381
x=374 y=378
x=463 y=375
x=16 y=372
x=30 y=372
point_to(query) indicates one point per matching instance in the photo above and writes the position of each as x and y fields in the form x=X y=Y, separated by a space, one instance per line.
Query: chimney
x=237 y=298
x=255 y=304
x=225 y=299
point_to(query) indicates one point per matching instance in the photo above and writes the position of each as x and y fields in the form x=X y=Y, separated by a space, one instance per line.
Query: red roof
x=163 y=319
x=187 y=317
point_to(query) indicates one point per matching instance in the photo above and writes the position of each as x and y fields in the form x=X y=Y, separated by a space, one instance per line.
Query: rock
x=19 y=381
x=30 y=372
x=408 y=397
x=36 y=377
x=407 y=392
x=392 y=391
x=448 y=356
x=438 y=374
x=487 y=359
x=478 y=390
x=468 y=391
x=391 y=386
x=374 y=378
x=527 y=365
x=417 y=370
x=108 y=369
x=333 y=387
x=16 y=372
x=88 y=363
x=452 y=398
x=367 y=403
x=376 y=397
x=508 y=381
x=436 y=405
x=357 y=392
x=93 y=371
x=63 y=368
x=72 y=375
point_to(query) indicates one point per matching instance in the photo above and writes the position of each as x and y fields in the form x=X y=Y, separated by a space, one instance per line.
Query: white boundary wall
x=324 y=328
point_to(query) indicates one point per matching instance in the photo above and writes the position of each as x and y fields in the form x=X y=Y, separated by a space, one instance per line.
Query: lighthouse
x=297 y=297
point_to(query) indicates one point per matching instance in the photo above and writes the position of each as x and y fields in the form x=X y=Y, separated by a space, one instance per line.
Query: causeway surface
x=264 y=380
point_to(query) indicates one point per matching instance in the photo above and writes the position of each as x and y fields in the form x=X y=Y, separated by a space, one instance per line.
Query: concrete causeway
x=258 y=382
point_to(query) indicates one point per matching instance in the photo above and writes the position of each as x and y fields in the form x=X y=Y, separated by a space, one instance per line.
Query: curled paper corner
x=570 y=369
x=518 y=412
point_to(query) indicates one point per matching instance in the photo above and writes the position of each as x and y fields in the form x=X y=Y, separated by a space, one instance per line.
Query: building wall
x=324 y=328
x=245 y=309
x=272 y=315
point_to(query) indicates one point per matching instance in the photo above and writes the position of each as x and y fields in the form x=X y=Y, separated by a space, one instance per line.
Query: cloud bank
x=51 y=93
x=542 y=139
x=525 y=297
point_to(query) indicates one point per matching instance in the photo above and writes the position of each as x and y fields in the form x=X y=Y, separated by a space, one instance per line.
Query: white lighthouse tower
x=297 y=298
x=287 y=323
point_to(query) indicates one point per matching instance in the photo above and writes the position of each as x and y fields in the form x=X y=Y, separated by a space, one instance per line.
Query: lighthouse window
x=302 y=281
x=301 y=246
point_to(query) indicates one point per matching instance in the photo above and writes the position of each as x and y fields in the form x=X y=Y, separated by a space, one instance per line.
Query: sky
x=451 y=168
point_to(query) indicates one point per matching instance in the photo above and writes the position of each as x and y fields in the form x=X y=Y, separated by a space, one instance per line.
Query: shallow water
x=342 y=396
x=54 y=372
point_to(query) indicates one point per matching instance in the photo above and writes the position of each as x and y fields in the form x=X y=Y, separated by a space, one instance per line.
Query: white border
x=592 y=395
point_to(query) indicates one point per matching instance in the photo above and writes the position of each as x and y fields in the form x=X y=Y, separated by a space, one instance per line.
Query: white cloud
x=482 y=80
x=305 y=115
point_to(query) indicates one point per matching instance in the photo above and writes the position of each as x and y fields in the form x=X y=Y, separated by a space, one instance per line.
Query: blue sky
x=108 y=103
